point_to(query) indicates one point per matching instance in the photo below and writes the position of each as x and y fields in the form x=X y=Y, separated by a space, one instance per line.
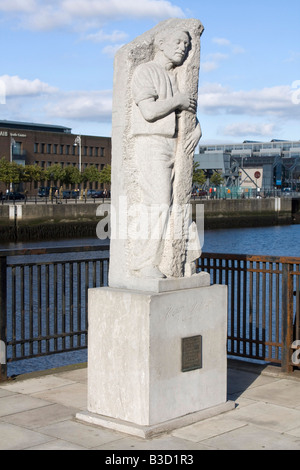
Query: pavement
x=37 y=412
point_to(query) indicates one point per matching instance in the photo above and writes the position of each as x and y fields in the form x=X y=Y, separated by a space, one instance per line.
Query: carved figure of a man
x=156 y=115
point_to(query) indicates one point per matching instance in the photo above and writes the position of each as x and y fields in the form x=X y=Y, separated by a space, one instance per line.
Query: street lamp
x=78 y=142
x=12 y=144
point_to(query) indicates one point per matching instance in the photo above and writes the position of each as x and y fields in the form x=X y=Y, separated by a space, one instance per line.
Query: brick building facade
x=46 y=145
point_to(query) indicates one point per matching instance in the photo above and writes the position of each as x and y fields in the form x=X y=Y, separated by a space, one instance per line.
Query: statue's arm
x=153 y=110
x=193 y=139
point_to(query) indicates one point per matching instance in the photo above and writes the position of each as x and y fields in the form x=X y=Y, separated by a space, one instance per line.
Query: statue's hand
x=186 y=102
x=193 y=140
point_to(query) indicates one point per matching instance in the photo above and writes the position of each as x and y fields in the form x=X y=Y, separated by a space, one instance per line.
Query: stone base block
x=156 y=357
x=148 y=432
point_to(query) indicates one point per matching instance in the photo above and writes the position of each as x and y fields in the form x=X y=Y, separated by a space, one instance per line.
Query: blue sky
x=57 y=62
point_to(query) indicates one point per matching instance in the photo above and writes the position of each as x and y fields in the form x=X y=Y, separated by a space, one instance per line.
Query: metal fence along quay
x=44 y=302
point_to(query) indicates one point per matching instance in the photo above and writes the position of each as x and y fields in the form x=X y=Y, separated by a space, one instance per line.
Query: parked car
x=90 y=192
x=45 y=191
x=12 y=196
x=68 y=194
x=98 y=194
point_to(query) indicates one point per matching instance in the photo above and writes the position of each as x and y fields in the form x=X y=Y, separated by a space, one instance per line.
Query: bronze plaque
x=191 y=349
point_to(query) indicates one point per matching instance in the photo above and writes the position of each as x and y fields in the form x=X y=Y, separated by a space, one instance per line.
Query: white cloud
x=221 y=41
x=235 y=49
x=16 y=86
x=273 y=101
x=111 y=50
x=81 y=105
x=122 y=8
x=101 y=36
x=17 y=5
x=85 y=14
x=250 y=129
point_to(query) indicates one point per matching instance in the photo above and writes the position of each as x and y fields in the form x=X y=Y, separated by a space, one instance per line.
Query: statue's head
x=174 y=44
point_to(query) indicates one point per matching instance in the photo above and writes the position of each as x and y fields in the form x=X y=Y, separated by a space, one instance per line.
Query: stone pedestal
x=157 y=360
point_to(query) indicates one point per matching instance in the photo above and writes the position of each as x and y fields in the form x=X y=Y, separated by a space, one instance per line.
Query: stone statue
x=155 y=133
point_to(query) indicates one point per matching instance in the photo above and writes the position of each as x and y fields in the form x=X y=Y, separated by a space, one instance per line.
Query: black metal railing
x=263 y=305
x=44 y=302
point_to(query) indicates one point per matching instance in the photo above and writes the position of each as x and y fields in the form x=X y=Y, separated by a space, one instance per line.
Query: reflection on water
x=271 y=241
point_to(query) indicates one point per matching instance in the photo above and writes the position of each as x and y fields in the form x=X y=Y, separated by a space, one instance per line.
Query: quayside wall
x=69 y=220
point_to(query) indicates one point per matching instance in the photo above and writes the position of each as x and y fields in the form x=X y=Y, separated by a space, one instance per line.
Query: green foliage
x=216 y=179
x=71 y=175
x=33 y=173
x=54 y=173
x=11 y=172
x=105 y=175
x=198 y=175
x=91 y=174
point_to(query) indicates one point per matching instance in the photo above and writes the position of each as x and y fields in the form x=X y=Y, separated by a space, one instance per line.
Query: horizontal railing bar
x=256 y=341
x=47 y=251
x=254 y=258
x=37 y=339
x=56 y=263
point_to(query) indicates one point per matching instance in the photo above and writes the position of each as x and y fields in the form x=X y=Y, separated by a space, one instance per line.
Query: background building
x=46 y=145
x=277 y=162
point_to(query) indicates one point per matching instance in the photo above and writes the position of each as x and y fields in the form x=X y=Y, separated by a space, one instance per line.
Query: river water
x=273 y=241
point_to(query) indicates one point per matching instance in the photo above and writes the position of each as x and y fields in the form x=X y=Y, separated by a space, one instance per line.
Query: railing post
x=3 y=327
x=287 y=318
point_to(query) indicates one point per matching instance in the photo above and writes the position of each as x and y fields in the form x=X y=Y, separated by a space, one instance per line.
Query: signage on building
x=15 y=134
x=252 y=178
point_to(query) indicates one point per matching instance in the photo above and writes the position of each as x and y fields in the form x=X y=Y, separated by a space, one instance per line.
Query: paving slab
x=253 y=438
x=13 y=404
x=238 y=381
x=18 y=438
x=57 y=444
x=77 y=375
x=39 y=384
x=35 y=418
x=164 y=442
x=268 y=416
x=281 y=392
x=74 y=395
x=209 y=428
x=80 y=434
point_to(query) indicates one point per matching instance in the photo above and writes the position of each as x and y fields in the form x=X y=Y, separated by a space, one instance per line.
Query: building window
x=48 y=148
x=74 y=150
x=61 y=151
x=102 y=152
x=85 y=151
x=36 y=147
x=96 y=151
x=55 y=149
x=91 y=151
x=42 y=148
x=68 y=150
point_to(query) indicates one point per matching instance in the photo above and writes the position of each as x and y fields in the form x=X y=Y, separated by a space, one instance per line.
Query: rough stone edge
x=147 y=432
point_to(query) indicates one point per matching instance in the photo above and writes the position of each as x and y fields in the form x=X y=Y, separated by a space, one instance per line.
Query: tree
x=71 y=175
x=216 y=179
x=10 y=172
x=105 y=175
x=198 y=175
x=91 y=174
x=54 y=173
x=33 y=173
